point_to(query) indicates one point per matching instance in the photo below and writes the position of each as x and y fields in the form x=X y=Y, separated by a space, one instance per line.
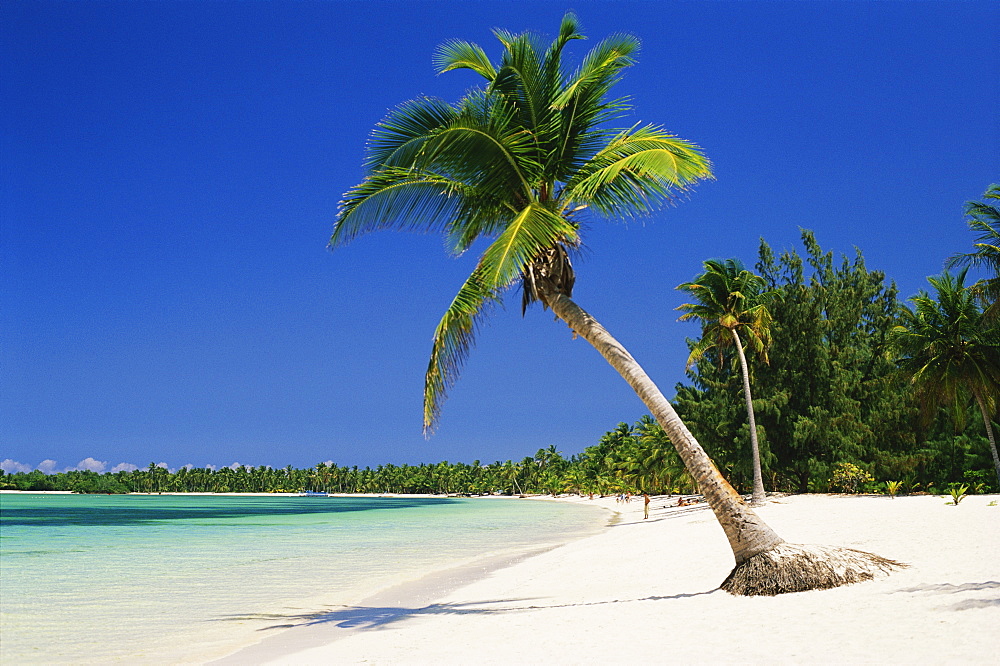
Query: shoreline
x=654 y=583
x=387 y=604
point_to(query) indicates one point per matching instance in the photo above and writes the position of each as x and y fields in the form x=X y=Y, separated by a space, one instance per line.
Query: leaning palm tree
x=521 y=161
x=730 y=300
x=951 y=351
x=984 y=219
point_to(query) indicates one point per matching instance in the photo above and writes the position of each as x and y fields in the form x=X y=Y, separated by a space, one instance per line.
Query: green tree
x=829 y=393
x=730 y=300
x=984 y=220
x=951 y=351
x=520 y=161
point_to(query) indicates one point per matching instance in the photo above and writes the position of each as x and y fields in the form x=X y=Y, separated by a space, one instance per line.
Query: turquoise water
x=173 y=579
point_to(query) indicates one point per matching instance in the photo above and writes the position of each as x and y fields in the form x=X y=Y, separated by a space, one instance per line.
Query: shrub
x=849 y=478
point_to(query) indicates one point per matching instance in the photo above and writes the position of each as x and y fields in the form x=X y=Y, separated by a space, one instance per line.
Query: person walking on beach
x=645 y=507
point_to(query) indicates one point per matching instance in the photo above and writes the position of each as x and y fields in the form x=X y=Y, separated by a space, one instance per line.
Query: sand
x=646 y=591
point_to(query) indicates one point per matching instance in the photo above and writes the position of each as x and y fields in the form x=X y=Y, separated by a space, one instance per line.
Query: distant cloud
x=12 y=466
x=90 y=465
x=49 y=466
x=235 y=465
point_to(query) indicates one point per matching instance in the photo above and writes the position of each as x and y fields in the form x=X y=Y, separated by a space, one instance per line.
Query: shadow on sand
x=373 y=617
x=949 y=588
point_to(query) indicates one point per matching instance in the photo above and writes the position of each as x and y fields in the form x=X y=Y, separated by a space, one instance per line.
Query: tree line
x=610 y=466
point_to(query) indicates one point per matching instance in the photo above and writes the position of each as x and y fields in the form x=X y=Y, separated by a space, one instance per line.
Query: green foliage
x=893 y=488
x=849 y=478
x=545 y=472
x=638 y=458
x=980 y=481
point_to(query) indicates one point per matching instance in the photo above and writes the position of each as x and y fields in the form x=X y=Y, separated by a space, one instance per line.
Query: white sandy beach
x=646 y=591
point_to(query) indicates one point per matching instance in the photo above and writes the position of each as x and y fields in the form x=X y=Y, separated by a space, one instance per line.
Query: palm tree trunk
x=765 y=564
x=748 y=535
x=989 y=433
x=758 y=498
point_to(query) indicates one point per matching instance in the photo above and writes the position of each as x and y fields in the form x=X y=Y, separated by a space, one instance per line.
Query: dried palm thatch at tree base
x=794 y=568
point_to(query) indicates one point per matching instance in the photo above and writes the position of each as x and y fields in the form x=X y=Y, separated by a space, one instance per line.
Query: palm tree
x=731 y=299
x=521 y=161
x=667 y=469
x=951 y=351
x=984 y=219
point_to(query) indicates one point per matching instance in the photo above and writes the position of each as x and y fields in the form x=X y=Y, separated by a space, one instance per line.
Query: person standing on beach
x=645 y=507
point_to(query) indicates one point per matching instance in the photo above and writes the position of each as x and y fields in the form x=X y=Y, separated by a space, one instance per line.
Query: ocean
x=164 y=579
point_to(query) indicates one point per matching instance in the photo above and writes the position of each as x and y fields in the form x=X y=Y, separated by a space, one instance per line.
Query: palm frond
x=479 y=215
x=987 y=246
x=398 y=199
x=984 y=221
x=638 y=169
x=519 y=82
x=600 y=70
x=569 y=28
x=483 y=145
x=454 y=338
x=513 y=161
x=700 y=348
x=529 y=234
x=459 y=54
x=400 y=136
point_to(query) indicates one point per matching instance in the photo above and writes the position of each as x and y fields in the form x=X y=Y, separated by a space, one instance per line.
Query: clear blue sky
x=170 y=173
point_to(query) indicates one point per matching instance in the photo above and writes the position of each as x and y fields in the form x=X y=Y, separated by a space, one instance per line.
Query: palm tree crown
x=728 y=298
x=984 y=220
x=517 y=161
x=947 y=347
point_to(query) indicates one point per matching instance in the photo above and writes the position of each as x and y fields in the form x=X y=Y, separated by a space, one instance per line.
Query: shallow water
x=170 y=579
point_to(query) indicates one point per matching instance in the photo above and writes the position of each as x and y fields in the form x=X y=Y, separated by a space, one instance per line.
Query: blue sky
x=170 y=173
